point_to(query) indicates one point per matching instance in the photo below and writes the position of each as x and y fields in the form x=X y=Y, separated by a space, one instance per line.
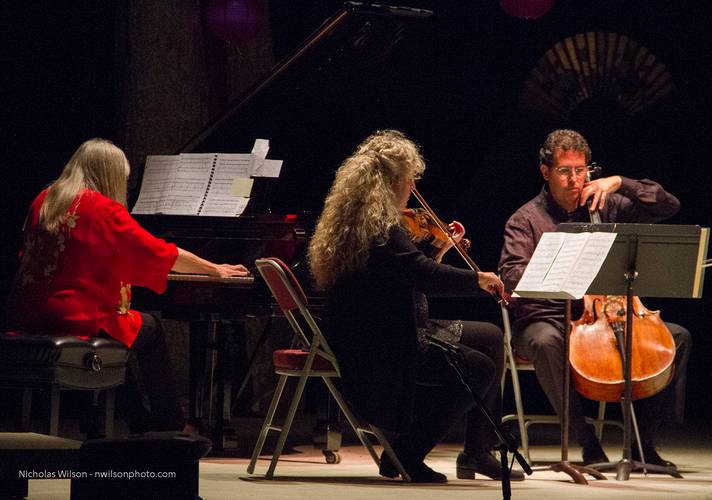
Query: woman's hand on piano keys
x=188 y=262
x=227 y=270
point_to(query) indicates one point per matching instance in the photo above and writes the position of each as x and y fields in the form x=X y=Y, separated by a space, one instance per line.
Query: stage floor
x=303 y=474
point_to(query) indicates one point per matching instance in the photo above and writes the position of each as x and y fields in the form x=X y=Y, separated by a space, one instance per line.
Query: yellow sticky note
x=241 y=187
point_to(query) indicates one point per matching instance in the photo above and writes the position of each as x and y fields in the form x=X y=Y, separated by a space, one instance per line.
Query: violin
x=597 y=346
x=423 y=224
x=421 y=227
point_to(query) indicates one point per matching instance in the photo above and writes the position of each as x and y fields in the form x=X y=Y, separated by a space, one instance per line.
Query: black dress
x=371 y=325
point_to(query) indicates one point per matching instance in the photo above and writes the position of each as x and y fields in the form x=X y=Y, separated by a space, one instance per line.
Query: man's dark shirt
x=637 y=201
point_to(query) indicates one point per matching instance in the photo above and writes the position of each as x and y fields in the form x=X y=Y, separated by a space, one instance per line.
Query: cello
x=597 y=346
x=597 y=349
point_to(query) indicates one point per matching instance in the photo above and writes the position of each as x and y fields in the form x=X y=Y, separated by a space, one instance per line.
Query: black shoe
x=651 y=457
x=419 y=473
x=485 y=464
x=593 y=453
x=386 y=467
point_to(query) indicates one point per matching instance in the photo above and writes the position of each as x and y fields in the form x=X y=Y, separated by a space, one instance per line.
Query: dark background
x=453 y=85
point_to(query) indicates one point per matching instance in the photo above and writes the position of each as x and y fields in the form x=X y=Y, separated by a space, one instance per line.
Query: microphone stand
x=507 y=441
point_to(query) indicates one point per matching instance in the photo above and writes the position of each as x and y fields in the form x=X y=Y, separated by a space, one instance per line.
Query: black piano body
x=347 y=79
x=233 y=240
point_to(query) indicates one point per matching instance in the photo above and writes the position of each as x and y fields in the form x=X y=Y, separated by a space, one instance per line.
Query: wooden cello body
x=597 y=342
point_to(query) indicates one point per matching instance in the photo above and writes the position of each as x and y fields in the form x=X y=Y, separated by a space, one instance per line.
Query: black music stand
x=662 y=261
x=576 y=472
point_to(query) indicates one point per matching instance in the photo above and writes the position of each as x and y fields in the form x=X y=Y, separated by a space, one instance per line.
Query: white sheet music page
x=189 y=184
x=589 y=263
x=269 y=168
x=222 y=198
x=261 y=166
x=541 y=261
x=157 y=181
x=564 y=265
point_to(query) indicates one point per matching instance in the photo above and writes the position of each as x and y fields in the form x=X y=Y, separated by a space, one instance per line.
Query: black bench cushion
x=69 y=361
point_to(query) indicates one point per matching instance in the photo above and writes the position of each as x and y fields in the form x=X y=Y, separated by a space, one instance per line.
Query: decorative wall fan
x=611 y=66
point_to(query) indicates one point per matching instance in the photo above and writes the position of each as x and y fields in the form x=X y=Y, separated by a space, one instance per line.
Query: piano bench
x=51 y=364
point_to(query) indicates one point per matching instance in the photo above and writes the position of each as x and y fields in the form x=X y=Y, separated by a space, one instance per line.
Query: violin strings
x=441 y=225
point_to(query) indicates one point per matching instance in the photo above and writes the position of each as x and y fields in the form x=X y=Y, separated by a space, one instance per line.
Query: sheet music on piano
x=209 y=184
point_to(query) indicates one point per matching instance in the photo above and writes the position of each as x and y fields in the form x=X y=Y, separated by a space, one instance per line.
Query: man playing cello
x=538 y=326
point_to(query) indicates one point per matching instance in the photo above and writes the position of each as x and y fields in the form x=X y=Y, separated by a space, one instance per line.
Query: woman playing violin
x=377 y=318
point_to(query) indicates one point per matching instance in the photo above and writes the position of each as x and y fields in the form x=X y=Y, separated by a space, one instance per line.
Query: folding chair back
x=316 y=359
x=282 y=283
x=291 y=299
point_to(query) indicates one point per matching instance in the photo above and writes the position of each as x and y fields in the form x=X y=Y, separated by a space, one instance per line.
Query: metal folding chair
x=514 y=363
x=315 y=359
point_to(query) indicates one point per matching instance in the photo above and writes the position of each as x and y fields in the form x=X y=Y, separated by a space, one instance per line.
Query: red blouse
x=78 y=281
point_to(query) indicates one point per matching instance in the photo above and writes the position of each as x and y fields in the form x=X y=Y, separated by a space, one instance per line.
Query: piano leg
x=224 y=435
x=198 y=348
x=266 y=331
x=209 y=384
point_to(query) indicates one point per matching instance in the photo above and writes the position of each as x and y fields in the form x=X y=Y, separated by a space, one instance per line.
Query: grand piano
x=347 y=79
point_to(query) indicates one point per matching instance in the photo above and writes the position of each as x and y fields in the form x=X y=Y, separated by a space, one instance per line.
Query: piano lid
x=320 y=101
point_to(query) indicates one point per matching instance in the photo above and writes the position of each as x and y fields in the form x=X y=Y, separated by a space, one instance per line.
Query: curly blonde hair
x=97 y=165
x=361 y=206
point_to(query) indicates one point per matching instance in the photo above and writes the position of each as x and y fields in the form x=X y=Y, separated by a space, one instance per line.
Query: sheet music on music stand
x=670 y=258
x=211 y=184
x=564 y=265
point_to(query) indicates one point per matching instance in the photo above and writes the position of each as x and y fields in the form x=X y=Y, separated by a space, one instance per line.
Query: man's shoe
x=485 y=464
x=419 y=473
x=651 y=457
x=593 y=453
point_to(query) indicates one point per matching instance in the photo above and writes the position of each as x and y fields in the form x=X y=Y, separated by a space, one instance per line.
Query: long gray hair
x=97 y=165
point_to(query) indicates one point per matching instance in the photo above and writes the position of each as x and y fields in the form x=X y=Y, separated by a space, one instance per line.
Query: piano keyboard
x=241 y=280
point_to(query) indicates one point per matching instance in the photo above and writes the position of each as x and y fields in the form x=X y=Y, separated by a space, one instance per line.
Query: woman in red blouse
x=82 y=252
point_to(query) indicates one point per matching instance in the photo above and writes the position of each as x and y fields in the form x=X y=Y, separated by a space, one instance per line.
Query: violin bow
x=441 y=225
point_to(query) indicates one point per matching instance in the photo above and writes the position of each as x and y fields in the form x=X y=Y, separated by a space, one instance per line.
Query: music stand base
x=576 y=472
x=624 y=468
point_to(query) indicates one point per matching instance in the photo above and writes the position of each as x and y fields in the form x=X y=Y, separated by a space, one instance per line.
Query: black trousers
x=441 y=397
x=543 y=343
x=150 y=380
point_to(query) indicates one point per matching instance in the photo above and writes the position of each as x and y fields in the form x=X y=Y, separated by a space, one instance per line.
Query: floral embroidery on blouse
x=40 y=256
x=124 y=305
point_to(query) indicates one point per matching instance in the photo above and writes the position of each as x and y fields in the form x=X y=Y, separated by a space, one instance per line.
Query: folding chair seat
x=514 y=363
x=314 y=359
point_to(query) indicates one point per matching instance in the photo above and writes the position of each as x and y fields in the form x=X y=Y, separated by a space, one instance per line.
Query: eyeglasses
x=567 y=171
